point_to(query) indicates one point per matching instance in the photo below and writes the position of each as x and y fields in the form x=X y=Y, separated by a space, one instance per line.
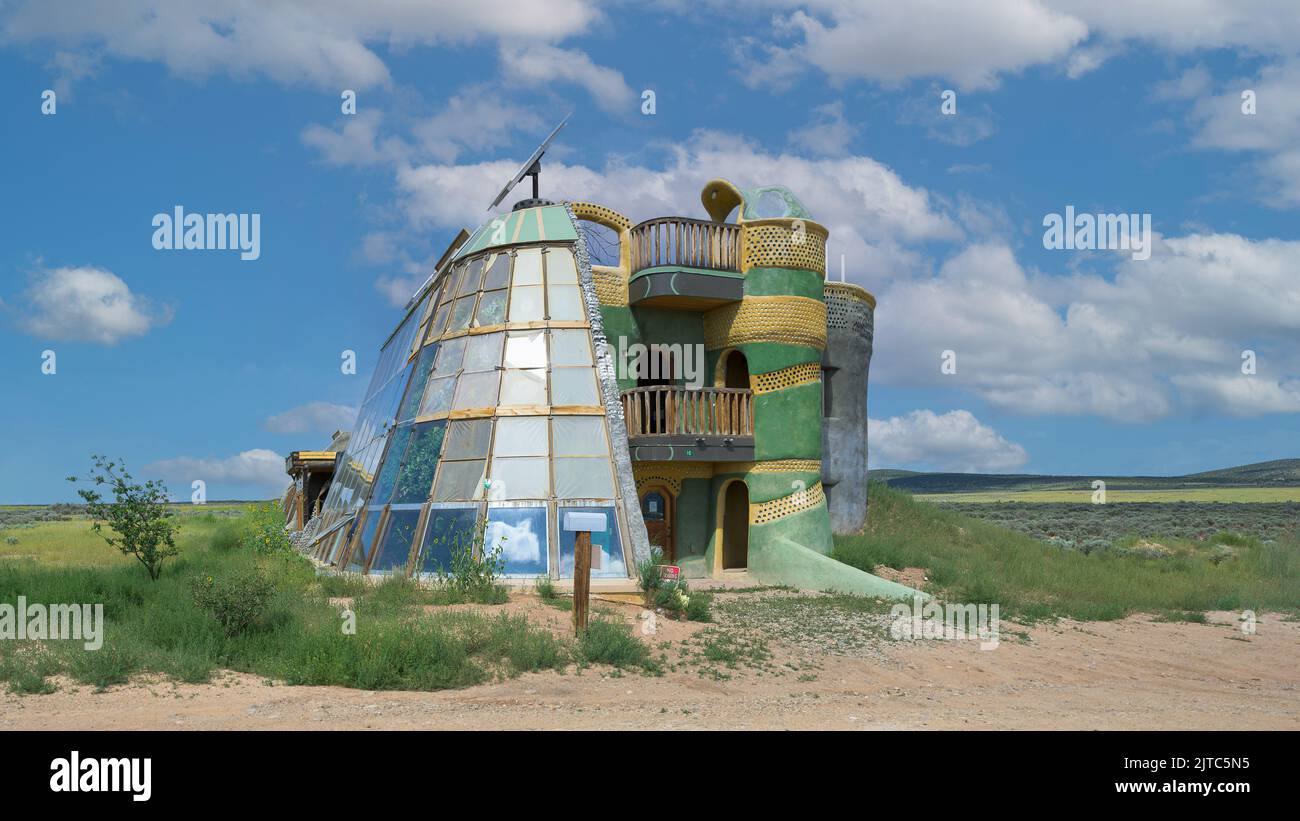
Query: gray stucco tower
x=850 y=322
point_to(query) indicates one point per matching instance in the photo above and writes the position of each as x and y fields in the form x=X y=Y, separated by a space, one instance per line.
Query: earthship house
x=696 y=380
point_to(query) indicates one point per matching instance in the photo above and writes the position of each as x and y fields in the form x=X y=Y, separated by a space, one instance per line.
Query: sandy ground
x=1132 y=674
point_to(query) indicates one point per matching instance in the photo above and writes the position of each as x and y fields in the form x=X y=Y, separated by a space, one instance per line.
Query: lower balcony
x=668 y=423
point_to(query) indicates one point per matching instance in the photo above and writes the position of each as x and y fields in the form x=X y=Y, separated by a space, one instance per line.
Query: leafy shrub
x=647 y=573
x=475 y=573
x=264 y=532
x=138 y=514
x=236 y=602
x=610 y=642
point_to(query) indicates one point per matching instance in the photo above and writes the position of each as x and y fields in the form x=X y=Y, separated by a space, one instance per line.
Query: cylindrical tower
x=850 y=319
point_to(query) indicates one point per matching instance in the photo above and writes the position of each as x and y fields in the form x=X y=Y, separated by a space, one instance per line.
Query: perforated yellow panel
x=669 y=474
x=611 y=287
x=845 y=290
x=787 y=377
x=601 y=215
x=783 y=243
x=783 y=466
x=792 y=320
x=796 y=502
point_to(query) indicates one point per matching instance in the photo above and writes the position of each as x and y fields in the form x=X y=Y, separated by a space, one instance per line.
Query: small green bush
x=263 y=531
x=610 y=642
x=236 y=602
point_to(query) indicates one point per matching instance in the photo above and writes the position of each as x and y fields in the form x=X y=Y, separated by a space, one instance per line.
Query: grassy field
x=972 y=561
x=1202 y=495
x=230 y=601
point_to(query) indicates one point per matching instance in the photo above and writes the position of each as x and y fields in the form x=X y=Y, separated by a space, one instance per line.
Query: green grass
x=298 y=637
x=972 y=561
x=1121 y=496
x=606 y=641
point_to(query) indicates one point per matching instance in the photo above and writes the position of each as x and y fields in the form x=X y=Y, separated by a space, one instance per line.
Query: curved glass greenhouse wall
x=485 y=409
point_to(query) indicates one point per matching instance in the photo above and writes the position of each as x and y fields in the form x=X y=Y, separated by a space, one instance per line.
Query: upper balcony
x=685 y=263
x=669 y=422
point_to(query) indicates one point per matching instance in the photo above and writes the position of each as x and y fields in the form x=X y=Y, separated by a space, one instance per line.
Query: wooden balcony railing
x=668 y=410
x=686 y=242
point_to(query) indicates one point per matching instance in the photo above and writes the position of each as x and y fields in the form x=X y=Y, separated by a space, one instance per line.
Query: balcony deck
x=685 y=263
x=668 y=422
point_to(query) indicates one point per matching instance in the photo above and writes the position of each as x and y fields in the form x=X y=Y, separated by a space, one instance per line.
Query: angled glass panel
x=476 y=390
x=564 y=302
x=415 y=480
x=462 y=313
x=362 y=550
x=574 y=386
x=521 y=535
x=528 y=267
x=570 y=346
x=473 y=277
x=525 y=349
x=450 y=355
x=491 y=309
x=606 y=548
x=483 y=352
x=437 y=396
x=583 y=477
x=395 y=544
x=580 y=436
x=520 y=436
x=468 y=439
x=388 y=471
x=419 y=381
x=520 y=478
x=526 y=303
x=498 y=272
x=460 y=481
x=523 y=387
x=450 y=529
x=560 y=267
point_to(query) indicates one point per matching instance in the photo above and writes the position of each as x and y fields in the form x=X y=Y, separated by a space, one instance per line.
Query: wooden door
x=657 y=509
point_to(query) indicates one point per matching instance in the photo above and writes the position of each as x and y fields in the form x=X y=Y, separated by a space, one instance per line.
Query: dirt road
x=1131 y=674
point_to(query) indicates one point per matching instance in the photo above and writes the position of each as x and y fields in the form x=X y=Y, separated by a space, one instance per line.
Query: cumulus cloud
x=966 y=44
x=86 y=304
x=828 y=135
x=323 y=43
x=313 y=417
x=1158 y=334
x=954 y=441
x=973 y=45
x=874 y=217
x=259 y=469
x=1269 y=134
x=539 y=64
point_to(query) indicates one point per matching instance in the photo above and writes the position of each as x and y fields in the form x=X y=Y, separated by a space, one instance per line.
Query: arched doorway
x=657 y=510
x=735 y=526
x=734 y=370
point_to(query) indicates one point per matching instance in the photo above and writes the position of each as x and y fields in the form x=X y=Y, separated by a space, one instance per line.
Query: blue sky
x=199 y=364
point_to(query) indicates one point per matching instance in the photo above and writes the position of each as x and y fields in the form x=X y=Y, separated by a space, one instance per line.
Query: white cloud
x=828 y=135
x=86 y=304
x=259 y=469
x=539 y=64
x=1270 y=132
x=973 y=45
x=1127 y=348
x=313 y=417
x=323 y=43
x=966 y=44
x=954 y=441
x=356 y=143
x=873 y=216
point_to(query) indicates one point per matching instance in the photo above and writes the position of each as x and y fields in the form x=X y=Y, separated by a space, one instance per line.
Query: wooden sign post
x=582 y=525
x=581 y=579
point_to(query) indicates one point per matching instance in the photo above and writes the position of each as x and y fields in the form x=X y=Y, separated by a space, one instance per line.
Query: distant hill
x=1279 y=472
